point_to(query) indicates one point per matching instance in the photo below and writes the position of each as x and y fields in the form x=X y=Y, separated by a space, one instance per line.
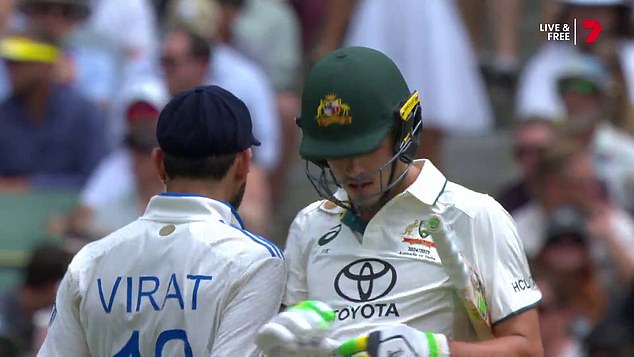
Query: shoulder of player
x=470 y=202
x=322 y=209
x=89 y=254
x=246 y=246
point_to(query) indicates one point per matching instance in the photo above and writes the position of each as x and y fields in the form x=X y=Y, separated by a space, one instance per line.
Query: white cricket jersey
x=183 y=280
x=392 y=272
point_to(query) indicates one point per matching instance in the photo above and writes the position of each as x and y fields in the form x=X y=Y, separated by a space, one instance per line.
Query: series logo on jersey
x=332 y=110
x=365 y=281
x=419 y=243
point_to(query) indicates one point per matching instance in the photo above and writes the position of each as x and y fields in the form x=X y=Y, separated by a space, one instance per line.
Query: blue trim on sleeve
x=270 y=246
x=234 y=213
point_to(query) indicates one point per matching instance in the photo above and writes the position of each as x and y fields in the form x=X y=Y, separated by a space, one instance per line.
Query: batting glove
x=398 y=340
x=299 y=331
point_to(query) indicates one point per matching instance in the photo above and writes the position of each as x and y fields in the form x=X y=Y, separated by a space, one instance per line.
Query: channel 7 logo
x=566 y=32
x=595 y=29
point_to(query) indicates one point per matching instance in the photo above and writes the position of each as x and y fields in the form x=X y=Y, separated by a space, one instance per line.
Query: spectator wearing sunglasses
x=587 y=91
x=529 y=138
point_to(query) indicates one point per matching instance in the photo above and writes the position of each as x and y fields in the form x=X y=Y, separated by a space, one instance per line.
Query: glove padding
x=403 y=341
x=299 y=331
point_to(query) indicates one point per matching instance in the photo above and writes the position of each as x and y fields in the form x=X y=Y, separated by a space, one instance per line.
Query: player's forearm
x=508 y=346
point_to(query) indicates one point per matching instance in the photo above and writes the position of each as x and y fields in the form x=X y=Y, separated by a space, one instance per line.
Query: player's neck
x=218 y=190
x=411 y=175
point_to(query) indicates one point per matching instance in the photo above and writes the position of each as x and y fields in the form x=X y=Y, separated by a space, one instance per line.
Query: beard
x=236 y=200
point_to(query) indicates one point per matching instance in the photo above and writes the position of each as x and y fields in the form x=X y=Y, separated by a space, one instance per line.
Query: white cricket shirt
x=183 y=280
x=392 y=273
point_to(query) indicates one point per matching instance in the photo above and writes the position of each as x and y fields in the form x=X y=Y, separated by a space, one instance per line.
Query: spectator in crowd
x=18 y=307
x=537 y=92
x=529 y=138
x=49 y=136
x=225 y=67
x=99 y=52
x=268 y=33
x=121 y=186
x=185 y=61
x=428 y=42
x=585 y=87
x=564 y=177
x=59 y=19
x=574 y=299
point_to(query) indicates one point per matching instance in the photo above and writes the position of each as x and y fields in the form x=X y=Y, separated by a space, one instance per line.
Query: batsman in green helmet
x=360 y=126
x=387 y=279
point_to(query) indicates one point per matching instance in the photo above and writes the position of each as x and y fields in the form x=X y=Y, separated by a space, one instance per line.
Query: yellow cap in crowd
x=22 y=49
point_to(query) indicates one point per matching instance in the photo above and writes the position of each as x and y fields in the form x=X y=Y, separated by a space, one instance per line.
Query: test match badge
x=333 y=110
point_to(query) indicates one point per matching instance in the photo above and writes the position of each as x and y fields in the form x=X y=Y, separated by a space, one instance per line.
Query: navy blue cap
x=205 y=121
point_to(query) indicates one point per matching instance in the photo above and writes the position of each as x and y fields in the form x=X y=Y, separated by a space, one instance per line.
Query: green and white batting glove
x=398 y=340
x=301 y=330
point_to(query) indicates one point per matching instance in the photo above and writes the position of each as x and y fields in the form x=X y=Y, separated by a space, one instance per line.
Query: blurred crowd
x=82 y=83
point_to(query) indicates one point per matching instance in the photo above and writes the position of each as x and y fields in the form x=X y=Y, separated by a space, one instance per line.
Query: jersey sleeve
x=296 y=261
x=255 y=299
x=65 y=336
x=508 y=283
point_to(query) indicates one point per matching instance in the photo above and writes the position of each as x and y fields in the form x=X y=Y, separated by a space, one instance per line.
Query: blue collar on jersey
x=182 y=194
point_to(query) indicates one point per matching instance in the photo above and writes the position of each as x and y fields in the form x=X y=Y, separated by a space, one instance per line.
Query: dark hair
x=200 y=48
x=47 y=265
x=214 y=167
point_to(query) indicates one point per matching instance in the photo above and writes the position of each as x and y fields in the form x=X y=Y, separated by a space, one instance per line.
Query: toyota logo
x=365 y=280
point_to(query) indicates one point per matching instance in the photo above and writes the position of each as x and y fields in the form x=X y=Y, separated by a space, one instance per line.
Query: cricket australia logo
x=333 y=110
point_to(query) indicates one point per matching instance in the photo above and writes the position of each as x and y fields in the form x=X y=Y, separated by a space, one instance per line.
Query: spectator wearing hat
x=49 y=136
x=205 y=284
x=93 y=61
x=574 y=298
x=586 y=90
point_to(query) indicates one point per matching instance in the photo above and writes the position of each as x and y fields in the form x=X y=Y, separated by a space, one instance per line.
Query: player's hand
x=301 y=330
x=398 y=340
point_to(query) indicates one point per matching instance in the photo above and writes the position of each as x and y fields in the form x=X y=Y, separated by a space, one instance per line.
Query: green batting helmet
x=352 y=99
